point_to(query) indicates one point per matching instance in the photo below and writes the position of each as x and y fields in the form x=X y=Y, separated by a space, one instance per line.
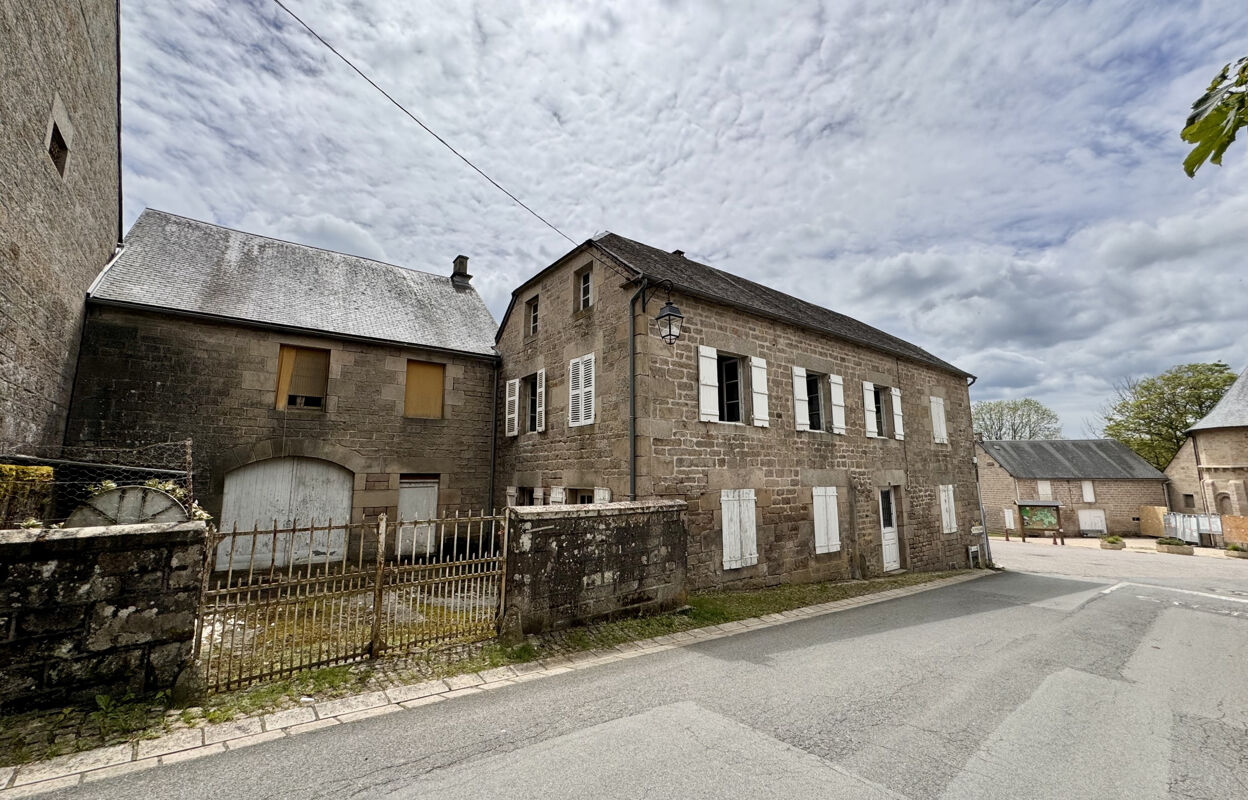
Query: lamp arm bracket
x=648 y=291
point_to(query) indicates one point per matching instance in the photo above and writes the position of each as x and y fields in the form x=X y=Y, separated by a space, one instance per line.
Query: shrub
x=1170 y=540
x=1237 y=548
x=1112 y=539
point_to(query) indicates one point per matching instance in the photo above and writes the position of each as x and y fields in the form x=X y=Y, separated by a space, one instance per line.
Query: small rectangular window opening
x=530 y=388
x=58 y=150
x=584 y=289
x=814 y=401
x=886 y=508
x=532 y=316
x=883 y=411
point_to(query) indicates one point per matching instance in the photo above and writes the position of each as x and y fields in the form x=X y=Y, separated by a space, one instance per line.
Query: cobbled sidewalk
x=186 y=744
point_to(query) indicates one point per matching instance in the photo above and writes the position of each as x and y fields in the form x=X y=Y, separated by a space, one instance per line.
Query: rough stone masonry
x=93 y=611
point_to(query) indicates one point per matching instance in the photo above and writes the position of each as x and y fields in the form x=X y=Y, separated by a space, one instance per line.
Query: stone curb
x=191 y=743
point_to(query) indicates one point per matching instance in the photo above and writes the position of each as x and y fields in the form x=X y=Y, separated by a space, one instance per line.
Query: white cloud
x=999 y=183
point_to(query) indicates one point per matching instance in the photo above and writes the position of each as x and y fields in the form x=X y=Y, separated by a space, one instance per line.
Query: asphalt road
x=1018 y=685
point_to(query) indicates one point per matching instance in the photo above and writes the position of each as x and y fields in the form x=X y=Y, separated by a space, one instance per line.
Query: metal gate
x=352 y=592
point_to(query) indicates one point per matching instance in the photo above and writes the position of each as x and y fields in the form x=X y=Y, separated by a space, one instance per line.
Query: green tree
x=1216 y=117
x=1015 y=419
x=1152 y=415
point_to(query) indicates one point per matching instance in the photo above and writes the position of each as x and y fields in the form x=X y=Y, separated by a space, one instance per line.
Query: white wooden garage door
x=286 y=491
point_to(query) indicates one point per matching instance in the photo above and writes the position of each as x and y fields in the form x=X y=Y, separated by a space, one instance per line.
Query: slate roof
x=1232 y=410
x=715 y=284
x=1071 y=459
x=182 y=265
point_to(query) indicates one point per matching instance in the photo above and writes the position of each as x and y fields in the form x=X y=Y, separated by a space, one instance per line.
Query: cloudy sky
x=998 y=182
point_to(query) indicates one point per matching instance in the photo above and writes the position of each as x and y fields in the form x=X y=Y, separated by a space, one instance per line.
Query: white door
x=888 y=529
x=418 y=500
x=285 y=492
x=1092 y=521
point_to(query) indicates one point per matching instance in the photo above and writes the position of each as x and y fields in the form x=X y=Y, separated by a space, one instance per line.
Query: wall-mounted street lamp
x=669 y=318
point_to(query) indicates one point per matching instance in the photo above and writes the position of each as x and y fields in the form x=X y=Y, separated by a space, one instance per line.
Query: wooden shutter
x=511 y=407
x=602 y=494
x=422 y=394
x=899 y=430
x=539 y=495
x=948 y=510
x=587 y=389
x=574 y=392
x=1089 y=493
x=708 y=384
x=868 y=404
x=836 y=389
x=285 y=368
x=1045 y=490
x=827 y=519
x=558 y=495
x=541 y=400
x=801 y=403
x=739 y=533
x=940 y=433
x=311 y=372
x=758 y=391
x=511 y=495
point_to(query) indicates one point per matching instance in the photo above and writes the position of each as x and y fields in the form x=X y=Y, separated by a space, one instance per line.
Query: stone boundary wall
x=89 y=611
x=571 y=564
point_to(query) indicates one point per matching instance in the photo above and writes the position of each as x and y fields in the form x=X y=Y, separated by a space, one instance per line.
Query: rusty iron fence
x=284 y=599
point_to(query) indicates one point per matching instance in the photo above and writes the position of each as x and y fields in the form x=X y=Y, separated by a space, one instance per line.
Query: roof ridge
x=285 y=241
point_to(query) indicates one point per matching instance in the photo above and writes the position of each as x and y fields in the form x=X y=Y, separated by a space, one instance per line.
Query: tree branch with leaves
x=1216 y=117
x=1009 y=420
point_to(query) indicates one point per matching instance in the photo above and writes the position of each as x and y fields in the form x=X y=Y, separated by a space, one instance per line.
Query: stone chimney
x=460 y=276
x=678 y=253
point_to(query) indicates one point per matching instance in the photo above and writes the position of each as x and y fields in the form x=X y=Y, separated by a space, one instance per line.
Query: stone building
x=1099 y=484
x=1209 y=473
x=314 y=385
x=60 y=199
x=808 y=445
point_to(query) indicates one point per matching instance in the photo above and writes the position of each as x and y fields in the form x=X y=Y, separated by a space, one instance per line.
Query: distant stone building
x=60 y=199
x=808 y=445
x=316 y=386
x=1210 y=471
x=1100 y=484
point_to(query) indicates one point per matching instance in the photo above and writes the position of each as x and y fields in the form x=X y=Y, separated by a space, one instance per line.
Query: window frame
x=815 y=416
x=407 y=384
x=721 y=361
x=532 y=319
x=287 y=361
x=583 y=289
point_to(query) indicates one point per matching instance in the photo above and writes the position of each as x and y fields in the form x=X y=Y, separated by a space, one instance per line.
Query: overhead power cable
x=416 y=119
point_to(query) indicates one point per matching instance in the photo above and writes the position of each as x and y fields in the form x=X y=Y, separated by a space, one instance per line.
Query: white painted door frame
x=418 y=499
x=1092 y=519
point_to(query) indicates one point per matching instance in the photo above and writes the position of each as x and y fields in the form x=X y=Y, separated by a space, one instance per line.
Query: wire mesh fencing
x=280 y=600
x=64 y=486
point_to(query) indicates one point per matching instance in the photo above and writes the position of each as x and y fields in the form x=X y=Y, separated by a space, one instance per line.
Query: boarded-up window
x=302 y=375
x=423 y=396
x=948 y=510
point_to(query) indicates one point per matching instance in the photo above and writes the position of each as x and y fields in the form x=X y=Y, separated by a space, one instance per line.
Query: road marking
x=1180 y=591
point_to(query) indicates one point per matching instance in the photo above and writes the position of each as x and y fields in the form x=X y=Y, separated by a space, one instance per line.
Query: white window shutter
x=899 y=430
x=587 y=389
x=1045 y=490
x=539 y=495
x=739 y=533
x=602 y=494
x=948 y=510
x=868 y=405
x=940 y=433
x=836 y=389
x=758 y=390
x=1009 y=518
x=511 y=495
x=512 y=407
x=801 y=403
x=1089 y=493
x=558 y=495
x=708 y=384
x=574 y=392
x=827 y=519
x=541 y=400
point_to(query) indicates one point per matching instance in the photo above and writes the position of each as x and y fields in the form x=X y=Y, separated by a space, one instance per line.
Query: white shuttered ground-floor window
x=740 y=534
x=948 y=510
x=827 y=519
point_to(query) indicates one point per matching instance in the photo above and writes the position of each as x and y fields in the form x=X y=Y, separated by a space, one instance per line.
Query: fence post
x=377 y=644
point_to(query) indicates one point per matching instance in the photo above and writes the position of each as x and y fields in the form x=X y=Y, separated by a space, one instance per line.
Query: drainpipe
x=632 y=389
x=493 y=432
